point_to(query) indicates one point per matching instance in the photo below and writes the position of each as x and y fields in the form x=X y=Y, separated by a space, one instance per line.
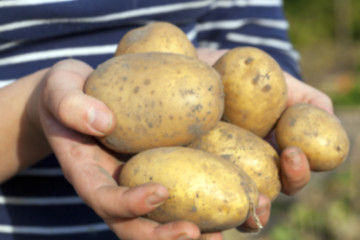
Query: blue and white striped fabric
x=34 y=34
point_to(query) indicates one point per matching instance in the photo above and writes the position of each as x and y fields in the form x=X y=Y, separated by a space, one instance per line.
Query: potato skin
x=255 y=89
x=204 y=189
x=156 y=37
x=318 y=133
x=246 y=150
x=159 y=99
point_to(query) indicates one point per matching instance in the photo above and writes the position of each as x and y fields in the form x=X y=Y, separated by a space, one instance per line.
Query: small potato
x=255 y=89
x=318 y=133
x=204 y=189
x=246 y=150
x=159 y=99
x=156 y=37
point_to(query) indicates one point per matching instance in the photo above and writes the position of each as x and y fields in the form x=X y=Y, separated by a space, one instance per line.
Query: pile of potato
x=198 y=129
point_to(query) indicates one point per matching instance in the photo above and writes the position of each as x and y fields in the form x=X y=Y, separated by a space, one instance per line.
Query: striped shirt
x=39 y=203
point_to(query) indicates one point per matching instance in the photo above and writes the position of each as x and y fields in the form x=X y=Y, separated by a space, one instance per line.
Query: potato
x=156 y=37
x=246 y=150
x=318 y=133
x=255 y=89
x=159 y=99
x=204 y=189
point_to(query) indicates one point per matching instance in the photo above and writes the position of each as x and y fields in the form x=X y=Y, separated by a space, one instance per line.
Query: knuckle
x=65 y=104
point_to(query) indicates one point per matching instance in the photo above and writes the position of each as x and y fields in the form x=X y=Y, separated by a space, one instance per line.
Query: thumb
x=65 y=100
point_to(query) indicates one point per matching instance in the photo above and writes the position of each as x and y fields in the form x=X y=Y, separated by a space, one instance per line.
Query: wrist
x=33 y=133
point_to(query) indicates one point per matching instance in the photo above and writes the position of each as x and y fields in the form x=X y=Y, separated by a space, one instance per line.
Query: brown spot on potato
x=195 y=129
x=136 y=89
x=197 y=108
x=256 y=79
x=147 y=82
x=266 y=88
x=150 y=124
x=136 y=170
x=292 y=122
x=249 y=60
x=226 y=156
x=184 y=92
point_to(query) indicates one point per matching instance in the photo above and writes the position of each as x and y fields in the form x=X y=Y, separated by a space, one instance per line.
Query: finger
x=177 y=230
x=145 y=229
x=262 y=214
x=306 y=94
x=295 y=170
x=211 y=236
x=91 y=171
x=210 y=56
x=112 y=201
x=322 y=101
x=65 y=99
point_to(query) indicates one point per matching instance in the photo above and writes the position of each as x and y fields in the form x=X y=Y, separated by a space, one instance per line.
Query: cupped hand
x=70 y=120
x=295 y=171
x=294 y=165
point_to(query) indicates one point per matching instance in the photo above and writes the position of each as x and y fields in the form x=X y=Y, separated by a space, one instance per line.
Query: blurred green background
x=327 y=35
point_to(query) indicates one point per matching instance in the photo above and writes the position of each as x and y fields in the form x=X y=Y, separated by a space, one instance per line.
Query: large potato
x=255 y=89
x=156 y=37
x=159 y=99
x=318 y=133
x=246 y=150
x=204 y=189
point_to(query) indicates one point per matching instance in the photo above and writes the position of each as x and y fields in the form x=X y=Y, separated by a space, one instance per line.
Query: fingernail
x=263 y=208
x=293 y=158
x=100 y=121
x=156 y=198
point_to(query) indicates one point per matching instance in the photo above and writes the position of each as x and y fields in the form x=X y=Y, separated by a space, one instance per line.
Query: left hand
x=295 y=171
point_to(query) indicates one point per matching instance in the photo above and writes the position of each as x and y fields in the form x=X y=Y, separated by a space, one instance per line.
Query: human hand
x=69 y=119
x=294 y=167
x=294 y=164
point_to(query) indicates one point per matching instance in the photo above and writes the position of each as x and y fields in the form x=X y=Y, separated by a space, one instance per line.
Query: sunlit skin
x=47 y=112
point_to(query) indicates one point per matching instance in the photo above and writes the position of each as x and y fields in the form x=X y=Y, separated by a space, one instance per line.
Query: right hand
x=69 y=119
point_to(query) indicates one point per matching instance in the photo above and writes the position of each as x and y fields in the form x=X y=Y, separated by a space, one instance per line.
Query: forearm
x=21 y=142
